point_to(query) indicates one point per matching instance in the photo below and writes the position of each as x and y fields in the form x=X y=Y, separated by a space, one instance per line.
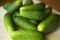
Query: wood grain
x=53 y=3
x=2 y=2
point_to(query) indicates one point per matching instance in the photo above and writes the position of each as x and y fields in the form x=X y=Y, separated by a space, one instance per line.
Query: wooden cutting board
x=53 y=3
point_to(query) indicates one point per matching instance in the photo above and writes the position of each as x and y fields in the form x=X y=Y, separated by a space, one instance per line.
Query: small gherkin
x=36 y=7
x=49 y=24
x=24 y=23
x=27 y=35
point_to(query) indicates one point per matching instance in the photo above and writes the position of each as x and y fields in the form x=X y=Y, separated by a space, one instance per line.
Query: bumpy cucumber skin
x=8 y=23
x=14 y=6
x=36 y=15
x=30 y=20
x=38 y=7
x=49 y=24
x=48 y=10
x=17 y=13
x=27 y=35
x=5 y=6
x=28 y=2
x=33 y=21
x=24 y=23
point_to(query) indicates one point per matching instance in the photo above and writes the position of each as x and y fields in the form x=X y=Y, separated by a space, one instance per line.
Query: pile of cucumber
x=29 y=21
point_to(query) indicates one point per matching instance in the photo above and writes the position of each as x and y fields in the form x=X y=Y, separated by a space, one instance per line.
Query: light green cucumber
x=49 y=24
x=9 y=25
x=27 y=35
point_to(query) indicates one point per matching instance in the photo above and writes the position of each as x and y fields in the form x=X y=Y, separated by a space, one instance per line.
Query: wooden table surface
x=2 y=2
x=53 y=3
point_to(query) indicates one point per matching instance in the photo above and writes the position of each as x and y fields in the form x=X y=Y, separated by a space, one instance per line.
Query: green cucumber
x=36 y=15
x=27 y=35
x=17 y=13
x=39 y=6
x=30 y=20
x=24 y=23
x=48 y=10
x=14 y=6
x=33 y=21
x=9 y=25
x=49 y=24
x=5 y=6
x=28 y=2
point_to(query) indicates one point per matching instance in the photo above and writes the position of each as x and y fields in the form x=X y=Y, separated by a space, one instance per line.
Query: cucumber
x=49 y=24
x=14 y=6
x=33 y=21
x=27 y=35
x=37 y=7
x=35 y=15
x=48 y=10
x=24 y=23
x=28 y=2
x=30 y=20
x=9 y=25
x=17 y=13
x=5 y=6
